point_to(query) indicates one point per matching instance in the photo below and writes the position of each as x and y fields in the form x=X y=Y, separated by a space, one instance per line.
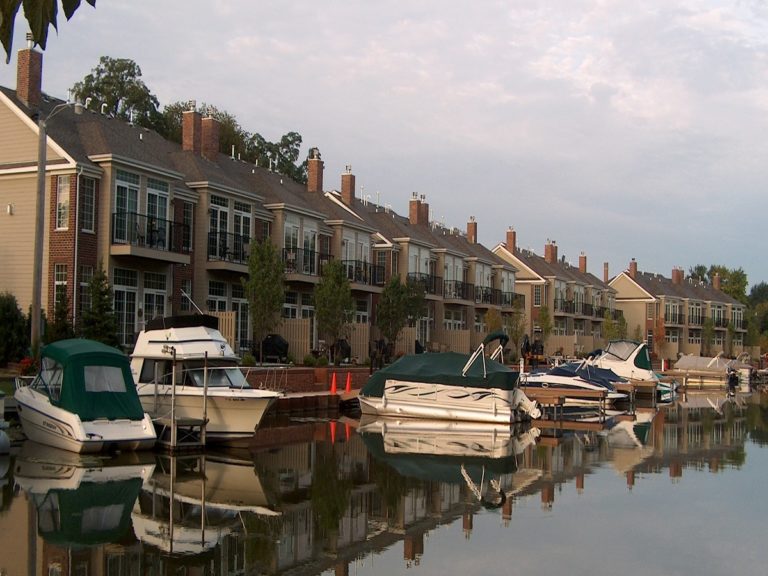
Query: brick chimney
x=472 y=230
x=677 y=276
x=29 y=76
x=314 y=171
x=511 y=240
x=209 y=146
x=606 y=277
x=550 y=252
x=633 y=268
x=583 y=263
x=716 y=281
x=348 y=186
x=191 y=130
x=418 y=210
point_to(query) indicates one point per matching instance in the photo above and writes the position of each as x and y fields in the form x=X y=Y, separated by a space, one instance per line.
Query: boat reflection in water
x=482 y=456
x=81 y=501
x=192 y=503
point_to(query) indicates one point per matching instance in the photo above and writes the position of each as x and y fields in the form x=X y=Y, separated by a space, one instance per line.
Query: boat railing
x=23 y=381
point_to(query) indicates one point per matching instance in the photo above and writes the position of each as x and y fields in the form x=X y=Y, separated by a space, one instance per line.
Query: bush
x=13 y=330
x=322 y=361
x=310 y=360
x=248 y=359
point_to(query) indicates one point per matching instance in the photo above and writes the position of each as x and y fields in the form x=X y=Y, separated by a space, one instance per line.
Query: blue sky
x=621 y=130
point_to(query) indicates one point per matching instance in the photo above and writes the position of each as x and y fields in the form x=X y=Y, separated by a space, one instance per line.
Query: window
x=62 y=203
x=154 y=295
x=103 y=379
x=60 y=281
x=240 y=307
x=537 y=296
x=125 y=287
x=86 y=275
x=454 y=319
x=649 y=310
x=291 y=306
x=186 y=286
x=694 y=337
x=87 y=205
x=217 y=296
x=188 y=211
x=361 y=311
x=126 y=207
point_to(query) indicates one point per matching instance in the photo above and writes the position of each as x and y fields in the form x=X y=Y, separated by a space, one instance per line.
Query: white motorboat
x=190 y=351
x=449 y=386
x=83 y=400
x=631 y=360
x=576 y=377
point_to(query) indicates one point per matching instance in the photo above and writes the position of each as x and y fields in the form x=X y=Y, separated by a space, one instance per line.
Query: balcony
x=676 y=318
x=696 y=320
x=720 y=322
x=565 y=306
x=456 y=290
x=362 y=272
x=145 y=236
x=486 y=295
x=304 y=262
x=431 y=284
x=227 y=251
x=511 y=299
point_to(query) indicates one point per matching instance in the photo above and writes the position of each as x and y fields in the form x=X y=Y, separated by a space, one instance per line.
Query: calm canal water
x=678 y=490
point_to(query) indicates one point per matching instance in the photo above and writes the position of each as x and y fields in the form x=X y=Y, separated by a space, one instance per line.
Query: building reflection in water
x=311 y=497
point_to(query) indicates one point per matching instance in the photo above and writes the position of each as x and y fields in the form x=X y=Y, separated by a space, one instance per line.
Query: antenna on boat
x=188 y=297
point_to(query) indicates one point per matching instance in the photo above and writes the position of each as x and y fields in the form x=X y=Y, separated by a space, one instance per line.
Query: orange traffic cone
x=333 y=384
x=348 y=387
x=333 y=431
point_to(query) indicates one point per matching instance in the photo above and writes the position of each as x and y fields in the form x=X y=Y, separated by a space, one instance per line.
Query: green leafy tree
x=61 y=326
x=493 y=320
x=116 y=84
x=733 y=281
x=399 y=304
x=14 y=331
x=514 y=325
x=265 y=289
x=40 y=16
x=545 y=323
x=98 y=322
x=758 y=294
x=333 y=303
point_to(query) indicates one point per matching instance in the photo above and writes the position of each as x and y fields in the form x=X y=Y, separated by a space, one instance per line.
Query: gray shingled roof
x=657 y=285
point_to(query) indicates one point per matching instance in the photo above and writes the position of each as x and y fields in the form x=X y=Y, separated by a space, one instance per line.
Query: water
x=680 y=491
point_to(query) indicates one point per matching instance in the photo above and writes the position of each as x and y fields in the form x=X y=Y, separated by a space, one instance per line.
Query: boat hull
x=47 y=424
x=231 y=414
x=571 y=388
x=447 y=402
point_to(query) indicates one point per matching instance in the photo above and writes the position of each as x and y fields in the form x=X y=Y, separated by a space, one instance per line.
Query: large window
x=537 y=296
x=217 y=296
x=87 y=205
x=155 y=294
x=126 y=207
x=125 y=287
x=62 y=203
x=291 y=305
x=60 y=281
x=86 y=275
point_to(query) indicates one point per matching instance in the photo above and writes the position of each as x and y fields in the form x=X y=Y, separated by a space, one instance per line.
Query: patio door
x=126 y=207
x=217 y=228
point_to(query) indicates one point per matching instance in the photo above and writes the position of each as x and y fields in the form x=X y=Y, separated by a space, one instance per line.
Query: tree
x=61 y=327
x=116 y=83
x=14 y=334
x=545 y=323
x=707 y=336
x=333 y=302
x=98 y=322
x=392 y=309
x=659 y=336
x=758 y=294
x=514 y=324
x=493 y=320
x=39 y=15
x=265 y=289
x=732 y=281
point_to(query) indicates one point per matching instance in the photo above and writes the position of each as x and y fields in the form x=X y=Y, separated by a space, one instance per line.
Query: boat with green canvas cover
x=450 y=386
x=83 y=400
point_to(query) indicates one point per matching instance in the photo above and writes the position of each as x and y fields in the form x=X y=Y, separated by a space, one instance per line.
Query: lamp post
x=37 y=273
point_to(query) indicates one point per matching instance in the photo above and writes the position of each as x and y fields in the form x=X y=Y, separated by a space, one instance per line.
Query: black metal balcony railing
x=456 y=290
x=721 y=322
x=300 y=261
x=229 y=247
x=431 y=284
x=362 y=272
x=486 y=295
x=674 y=318
x=149 y=231
x=565 y=306
x=696 y=320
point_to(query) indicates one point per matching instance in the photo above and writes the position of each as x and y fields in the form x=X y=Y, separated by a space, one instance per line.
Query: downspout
x=76 y=284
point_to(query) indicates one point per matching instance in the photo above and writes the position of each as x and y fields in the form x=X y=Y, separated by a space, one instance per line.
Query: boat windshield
x=219 y=377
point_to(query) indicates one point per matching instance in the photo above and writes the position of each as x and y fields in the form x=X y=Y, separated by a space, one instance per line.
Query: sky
x=616 y=129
